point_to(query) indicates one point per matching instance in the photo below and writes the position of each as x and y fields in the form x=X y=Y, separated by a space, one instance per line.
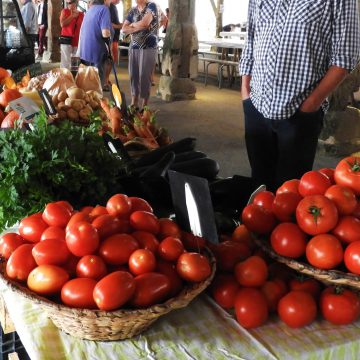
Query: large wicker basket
x=330 y=277
x=114 y=325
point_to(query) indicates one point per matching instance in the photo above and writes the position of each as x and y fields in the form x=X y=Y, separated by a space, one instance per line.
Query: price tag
x=24 y=106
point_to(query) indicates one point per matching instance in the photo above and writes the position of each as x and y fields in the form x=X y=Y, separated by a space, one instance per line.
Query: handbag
x=65 y=40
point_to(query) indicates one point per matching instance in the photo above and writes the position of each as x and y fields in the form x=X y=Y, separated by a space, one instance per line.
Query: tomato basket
x=109 y=325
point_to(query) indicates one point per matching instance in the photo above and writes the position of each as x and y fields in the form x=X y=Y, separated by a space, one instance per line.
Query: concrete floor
x=215 y=119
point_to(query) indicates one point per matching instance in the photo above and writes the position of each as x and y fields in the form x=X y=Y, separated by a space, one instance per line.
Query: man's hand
x=245 y=86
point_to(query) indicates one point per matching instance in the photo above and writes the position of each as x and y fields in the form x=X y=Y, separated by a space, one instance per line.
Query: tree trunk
x=52 y=54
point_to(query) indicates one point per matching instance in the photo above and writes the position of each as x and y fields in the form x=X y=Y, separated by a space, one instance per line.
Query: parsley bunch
x=62 y=162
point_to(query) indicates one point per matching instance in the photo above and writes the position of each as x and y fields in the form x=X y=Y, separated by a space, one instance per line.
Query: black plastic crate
x=11 y=343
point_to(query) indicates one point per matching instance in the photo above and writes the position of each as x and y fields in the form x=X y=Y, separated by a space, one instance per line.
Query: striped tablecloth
x=200 y=331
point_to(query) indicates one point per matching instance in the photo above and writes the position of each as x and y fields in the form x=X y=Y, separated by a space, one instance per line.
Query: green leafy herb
x=62 y=162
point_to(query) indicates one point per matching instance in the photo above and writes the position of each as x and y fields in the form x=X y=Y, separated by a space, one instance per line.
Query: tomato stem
x=355 y=167
x=338 y=290
x=315 y=212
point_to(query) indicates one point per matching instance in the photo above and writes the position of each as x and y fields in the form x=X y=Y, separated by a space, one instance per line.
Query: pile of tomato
x=255 y=287
x=105 y=257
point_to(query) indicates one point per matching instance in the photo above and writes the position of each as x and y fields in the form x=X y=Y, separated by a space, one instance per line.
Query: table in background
x=233 y=34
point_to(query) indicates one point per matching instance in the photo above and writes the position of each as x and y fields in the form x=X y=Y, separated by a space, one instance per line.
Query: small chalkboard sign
x=47 y=101
x=34 y=70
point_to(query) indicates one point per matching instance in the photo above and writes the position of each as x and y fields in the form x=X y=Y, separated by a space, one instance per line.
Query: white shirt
x=29 y=15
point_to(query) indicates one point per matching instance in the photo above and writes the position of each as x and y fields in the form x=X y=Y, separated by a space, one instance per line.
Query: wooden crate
x=5 y=320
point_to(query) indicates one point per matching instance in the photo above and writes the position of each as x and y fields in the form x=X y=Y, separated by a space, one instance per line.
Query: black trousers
x=280 y=150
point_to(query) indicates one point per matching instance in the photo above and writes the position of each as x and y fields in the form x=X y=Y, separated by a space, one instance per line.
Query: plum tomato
x=352 y=257
x=145 y=221
x=258 y=219
x=97 y=211
x=138 y=203
x=223 y=290
x=50 y=252
x=9 y=242
x=142 y=261
x=309 y=285
x=107 y=225
x=170 y=248
x=273 y=291
x=32 y=227
x=21 y=263
x=169 y=269
x=243 y=235
x=264 y=199
x=289 y=186
x=78 y=293
x=347 y=229
x=313 y=183
x=77 y=217
x=53 y=232
x=193 y=267
x=56 y=214
x=284 y=206
x=251 y=272
x=146 y=240
x=119 y=205
x=91 y=266
x=104 y=295
x=343 y=198
x=168 y=227
x=87 y=209
x=192 y=242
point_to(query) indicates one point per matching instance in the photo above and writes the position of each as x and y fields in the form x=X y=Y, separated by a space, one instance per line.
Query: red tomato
x=78 y=293
x=297 y=309
x=289 y=186
x=258 y=219
x=47 y=279
x=139 y=204
x=339 y=306
x=116 y=249
x=284 y=206
x=352 y=257
x=169 y=269
x=192 y=242
x=242 y=234
x=251 y=272
x=287 y=239
x=343 y=198
x=193 y=267
x=9 y=242
x=97 y=211
x=91 y=266
x=82 y=238
x=119 y=205
x=87 y=209
x=273 y=292
x=56 y=214
x=104 y=295
x=324 y=251
x=329 y=173
x=224 y=289
x=229 y=253
x=20 y=263
x=51 y=252
x=170 y=248
x=142 y=261
x=145 y=221
x=70 y=265
x=151 y=288
x=251 y=308
x=168 y=228
x=32 y=227
x=356 y=212
x=264 y=199
x=310 y=286
x=347 y=173
x=108 y=225
x=146 y=240
x=316 y=214
x=65 y=204
x=53 y=232
x=347 y=229
x=77 y=217
x=313 y=183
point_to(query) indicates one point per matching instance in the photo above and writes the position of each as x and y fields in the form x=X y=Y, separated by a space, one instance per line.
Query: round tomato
x=192 y=242
x=347 y=173
x=169 y=269
x=150 y=289
x=339 y=306
x=104 y=295
x=251 y=272
x=108 y=225
x=193 y=267
x=65 y=204
x=224 y=289
x=264 y=199
x=309 y=285
x=356 y=212
x=146 y=240
x=289 y=186
x=258 y=219
x=347 y=229
x=297 y=309
x=91 y=266
x=47 y=279
x=352 y=257
x=168 y=228
x=170 y=248
x=145 y=221
x=139 y=204
x=119 y=205
x=20 y=263
x=142 y=261
x=32 y=227
x=251 y=308
x=313 y=183
x=56 y=214
x=51 y=252
x=329 y=173
x=316 y=214
x=284 y=206
x=287 y=239
x=78 y=293
x=116 y=249
x=77 y=217
x=242 y=234
x=324 y=251
x=53 y=232
x=82 y=238
x=9 y=242
x=343 y=198
x=273 y=292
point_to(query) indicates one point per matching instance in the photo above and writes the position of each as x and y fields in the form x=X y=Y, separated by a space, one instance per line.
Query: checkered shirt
x=290 y=46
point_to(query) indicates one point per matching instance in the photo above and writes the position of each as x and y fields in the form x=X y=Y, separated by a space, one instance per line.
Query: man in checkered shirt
x=297 y=53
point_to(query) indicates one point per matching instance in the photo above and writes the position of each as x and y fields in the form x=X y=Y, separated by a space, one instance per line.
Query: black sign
x=47 y=101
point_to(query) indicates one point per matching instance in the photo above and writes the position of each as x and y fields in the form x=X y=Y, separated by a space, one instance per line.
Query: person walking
x=95 y=37
x=29 y=16
x=42 y=26
x=70 y=21
x=142 y=23
x=297 y=53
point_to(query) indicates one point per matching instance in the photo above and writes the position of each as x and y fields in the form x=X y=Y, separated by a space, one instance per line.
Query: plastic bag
x=88 y=78
x=59 y=79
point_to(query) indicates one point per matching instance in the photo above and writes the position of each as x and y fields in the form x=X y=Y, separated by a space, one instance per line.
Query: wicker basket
x=329 y=277
x=114 y=325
